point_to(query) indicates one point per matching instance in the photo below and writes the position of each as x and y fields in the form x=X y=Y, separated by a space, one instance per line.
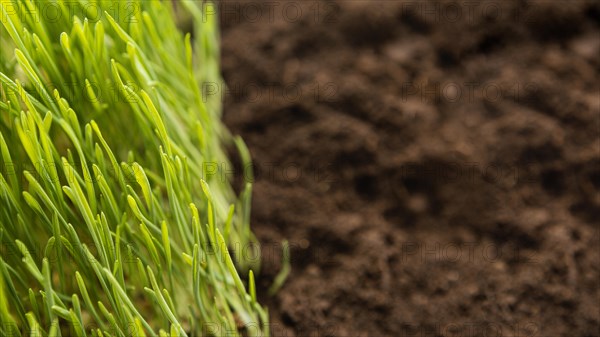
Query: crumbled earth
x=434 y=165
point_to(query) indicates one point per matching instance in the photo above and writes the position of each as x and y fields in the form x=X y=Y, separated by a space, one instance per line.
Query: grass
x=115 y=214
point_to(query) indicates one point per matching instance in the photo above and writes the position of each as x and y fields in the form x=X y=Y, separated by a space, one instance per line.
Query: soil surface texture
x=434 y=165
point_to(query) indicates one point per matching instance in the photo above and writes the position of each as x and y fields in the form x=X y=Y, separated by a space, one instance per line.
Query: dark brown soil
x=434 y=165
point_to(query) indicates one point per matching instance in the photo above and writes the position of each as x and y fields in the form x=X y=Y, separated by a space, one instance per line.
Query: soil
x=434 y=165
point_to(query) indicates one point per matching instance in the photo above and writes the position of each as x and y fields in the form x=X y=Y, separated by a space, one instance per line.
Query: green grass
x=115 y=214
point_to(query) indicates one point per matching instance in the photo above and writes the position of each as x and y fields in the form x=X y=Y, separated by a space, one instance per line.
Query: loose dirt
x=434 y=165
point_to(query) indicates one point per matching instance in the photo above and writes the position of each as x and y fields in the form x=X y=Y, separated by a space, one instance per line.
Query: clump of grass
x=115 y=216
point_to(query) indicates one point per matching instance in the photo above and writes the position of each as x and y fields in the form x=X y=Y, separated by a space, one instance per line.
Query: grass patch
x=115 y=213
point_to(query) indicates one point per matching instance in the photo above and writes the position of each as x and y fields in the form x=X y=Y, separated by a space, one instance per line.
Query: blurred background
x=433 y=164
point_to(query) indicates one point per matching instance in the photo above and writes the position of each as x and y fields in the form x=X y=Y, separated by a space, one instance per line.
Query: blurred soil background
x=435 y=165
